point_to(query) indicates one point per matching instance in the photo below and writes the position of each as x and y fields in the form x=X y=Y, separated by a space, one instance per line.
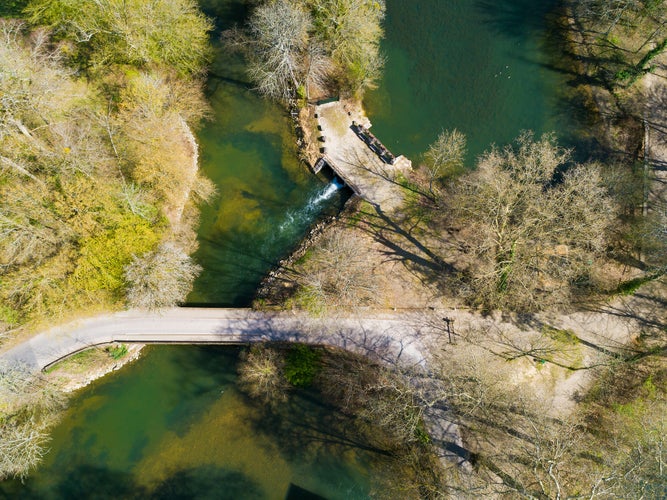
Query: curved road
x=392 y=338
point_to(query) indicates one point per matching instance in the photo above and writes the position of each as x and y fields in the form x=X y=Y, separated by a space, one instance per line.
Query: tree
x=351 y=31
x=445 y=156
x=279 y=37
x=293 y=45
x=170 y=33
x=28 y=406
x=261 y=374
x=161 y=278
x=533 y=224
x=150 y=131
x=91 y=167
x=337 y=274
x=633 y=34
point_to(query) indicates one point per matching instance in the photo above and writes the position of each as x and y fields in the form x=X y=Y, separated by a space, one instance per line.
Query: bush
x=117 y=351
x=302 y=363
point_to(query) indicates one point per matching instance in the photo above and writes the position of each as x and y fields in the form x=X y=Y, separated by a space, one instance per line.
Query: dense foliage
x=171 y=33
x=96 y=152
x=296 y=48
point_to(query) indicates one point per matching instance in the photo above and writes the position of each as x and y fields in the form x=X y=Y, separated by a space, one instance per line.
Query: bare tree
x=445 y=156
x=351 y=31
x=533 y=232
x=161 y=278
x=277 y=42
x=337 y=273
x=261 y=374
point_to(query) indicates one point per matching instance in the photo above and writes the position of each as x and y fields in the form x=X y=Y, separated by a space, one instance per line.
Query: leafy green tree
x=170 y=33
x=302 y=364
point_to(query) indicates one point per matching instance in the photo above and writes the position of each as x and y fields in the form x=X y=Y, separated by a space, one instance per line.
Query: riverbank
x=91 y=367
x=399 y=255
x=630 y=128
x=80 y=370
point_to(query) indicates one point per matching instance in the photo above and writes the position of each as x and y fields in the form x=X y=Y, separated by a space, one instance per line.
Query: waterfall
x=326 y=193
x=305 y=215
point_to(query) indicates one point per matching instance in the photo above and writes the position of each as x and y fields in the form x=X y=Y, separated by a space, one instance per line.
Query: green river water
x=174 y=424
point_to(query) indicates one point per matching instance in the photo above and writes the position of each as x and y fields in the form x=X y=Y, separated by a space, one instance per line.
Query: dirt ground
x=554 y=354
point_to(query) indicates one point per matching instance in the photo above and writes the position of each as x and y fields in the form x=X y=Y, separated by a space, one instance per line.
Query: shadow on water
x=485 y=67
x=517 y=18
x=307 y=428
x=205 y=482
x=571 y=106
x=225 y=14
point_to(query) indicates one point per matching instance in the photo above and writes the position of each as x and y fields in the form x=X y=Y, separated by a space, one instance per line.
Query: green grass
x=360 y=214
x=79 y=362
x=8 y=315
x=631 y=286
x=117 y=351
x=85 y=360
x=567 y=337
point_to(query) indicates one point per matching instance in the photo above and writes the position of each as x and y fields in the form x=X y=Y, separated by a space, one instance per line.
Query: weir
x=308 y=213
x=357 y=156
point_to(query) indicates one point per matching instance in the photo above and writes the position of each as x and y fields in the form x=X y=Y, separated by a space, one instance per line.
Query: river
x=174 y=424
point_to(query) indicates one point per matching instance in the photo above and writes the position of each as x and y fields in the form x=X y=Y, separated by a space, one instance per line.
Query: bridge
x=386 y=337
x=390 y=338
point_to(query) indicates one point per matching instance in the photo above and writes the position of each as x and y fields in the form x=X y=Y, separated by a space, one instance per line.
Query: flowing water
x=267 y=199
x=174 y=424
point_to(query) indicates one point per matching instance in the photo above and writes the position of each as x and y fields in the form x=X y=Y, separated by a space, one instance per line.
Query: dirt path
x=655 y=114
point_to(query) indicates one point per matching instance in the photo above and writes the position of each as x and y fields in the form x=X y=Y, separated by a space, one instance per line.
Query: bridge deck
x=395 y=339
x=384 y=337
x=354 y=161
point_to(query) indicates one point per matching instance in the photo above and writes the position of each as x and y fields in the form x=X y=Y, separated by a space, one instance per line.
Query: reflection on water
x=476 y=65
x=176 y=426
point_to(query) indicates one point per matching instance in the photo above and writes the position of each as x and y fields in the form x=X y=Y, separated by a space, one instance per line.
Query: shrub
x=302 y=363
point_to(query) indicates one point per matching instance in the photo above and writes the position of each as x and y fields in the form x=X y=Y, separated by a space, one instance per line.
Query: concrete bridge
x=364 y=170
x=395 y=339
x=391 y=338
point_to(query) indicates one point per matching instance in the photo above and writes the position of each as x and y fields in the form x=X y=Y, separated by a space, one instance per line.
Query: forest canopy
x=96 y=152
x=171 y=33
x=297 y=48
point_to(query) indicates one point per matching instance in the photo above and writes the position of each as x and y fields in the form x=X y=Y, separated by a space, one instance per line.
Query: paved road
x=392 y=338
x=389 y=337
